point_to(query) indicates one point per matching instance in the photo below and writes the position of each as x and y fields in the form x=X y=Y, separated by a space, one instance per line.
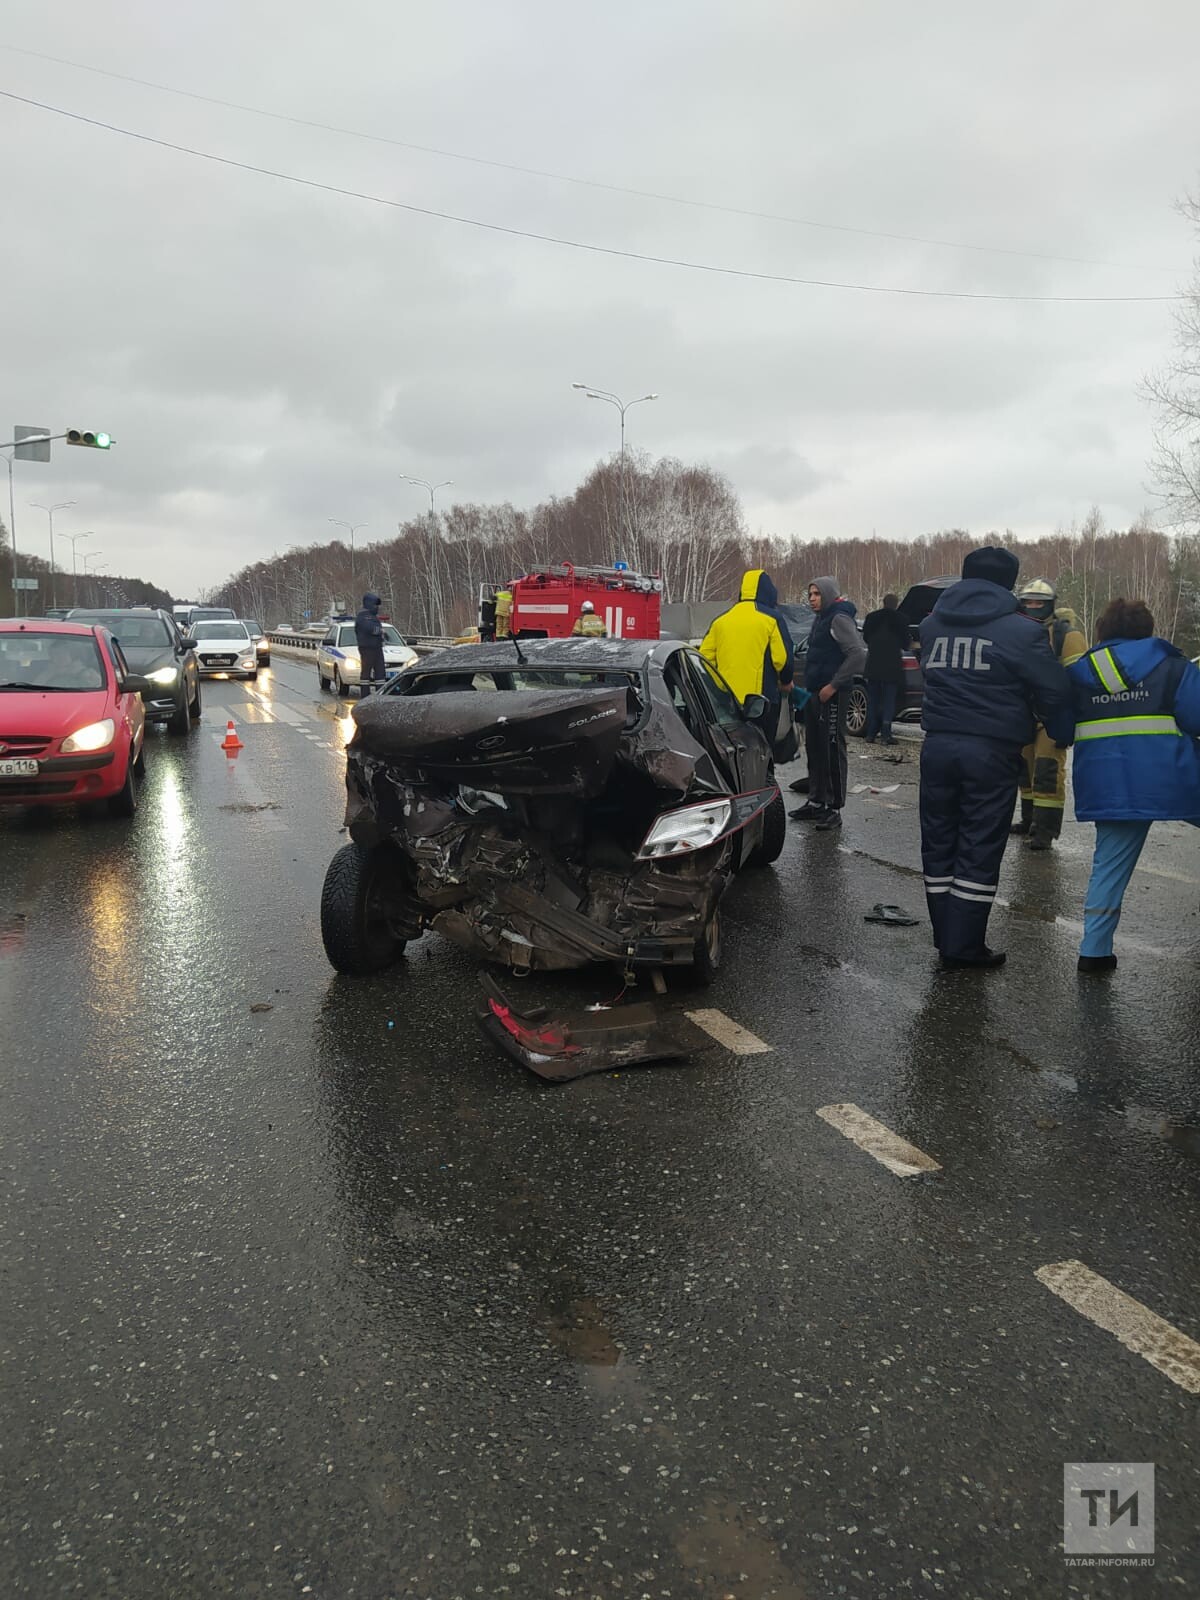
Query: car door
x=129 y=707
x=324 y=659
x=187 y=665
x=741 y=748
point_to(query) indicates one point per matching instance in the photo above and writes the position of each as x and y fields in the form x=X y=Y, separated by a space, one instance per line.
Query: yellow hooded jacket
x=743 y=639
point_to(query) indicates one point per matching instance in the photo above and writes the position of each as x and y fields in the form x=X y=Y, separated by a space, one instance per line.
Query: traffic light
x=94 y=441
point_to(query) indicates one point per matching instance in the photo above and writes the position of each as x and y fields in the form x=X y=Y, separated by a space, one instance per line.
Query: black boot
x=1047 y=825
x=1026 y=821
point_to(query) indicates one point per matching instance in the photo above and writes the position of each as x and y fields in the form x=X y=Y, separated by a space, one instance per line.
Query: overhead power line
x=565 y=177
x=577 y=244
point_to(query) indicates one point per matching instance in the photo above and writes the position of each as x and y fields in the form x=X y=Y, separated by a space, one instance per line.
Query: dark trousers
x=881 y=709
x=968 y=786
x=825 y=747
x=373 y=668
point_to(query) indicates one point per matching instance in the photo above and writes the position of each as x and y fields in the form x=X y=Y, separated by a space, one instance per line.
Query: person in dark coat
x=990 y=677
x=885 y=634
x=368 y=635
x=834 y=658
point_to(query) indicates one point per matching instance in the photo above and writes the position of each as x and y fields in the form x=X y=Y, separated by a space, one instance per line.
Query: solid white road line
x=729 y=1033
x=1137 y=1327
x=888 y=1148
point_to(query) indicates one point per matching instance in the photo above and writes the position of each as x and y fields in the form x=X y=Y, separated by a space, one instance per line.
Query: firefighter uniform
x=588 y=625
x=1044 y=778
x=503 y=612
x=989 y=674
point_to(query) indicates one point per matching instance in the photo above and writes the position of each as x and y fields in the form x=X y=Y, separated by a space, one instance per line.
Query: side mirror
x=755 y=707
x=134 y=683
x=184 y=645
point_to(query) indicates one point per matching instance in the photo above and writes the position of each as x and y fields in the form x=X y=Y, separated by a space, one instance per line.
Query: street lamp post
x=351 y=528
x=622 y=406
x=75 y=538
x=12 y=528
x=60 y=505
x=432 y=488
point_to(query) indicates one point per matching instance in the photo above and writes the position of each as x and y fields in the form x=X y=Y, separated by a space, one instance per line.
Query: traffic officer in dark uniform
x=368 y=635
x=990 y=677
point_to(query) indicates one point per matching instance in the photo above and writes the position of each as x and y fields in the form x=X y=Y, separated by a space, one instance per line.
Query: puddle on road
x=729 y=1555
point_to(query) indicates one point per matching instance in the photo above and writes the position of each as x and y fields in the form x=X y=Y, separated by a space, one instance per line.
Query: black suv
x=155 y=649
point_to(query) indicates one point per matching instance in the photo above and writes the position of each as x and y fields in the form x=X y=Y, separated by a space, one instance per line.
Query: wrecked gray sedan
x=551 y=803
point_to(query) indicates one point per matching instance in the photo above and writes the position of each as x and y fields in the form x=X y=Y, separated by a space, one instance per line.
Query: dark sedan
x=551 y=804
x=154 y=648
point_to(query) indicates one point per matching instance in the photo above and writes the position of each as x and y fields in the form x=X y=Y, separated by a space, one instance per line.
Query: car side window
x=673 y=678
x=724 y=705
x=330 y=637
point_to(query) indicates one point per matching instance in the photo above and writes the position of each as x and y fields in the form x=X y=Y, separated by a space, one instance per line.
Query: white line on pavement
x=729 y=1033
x=1137 y=1327
x=888 y=1148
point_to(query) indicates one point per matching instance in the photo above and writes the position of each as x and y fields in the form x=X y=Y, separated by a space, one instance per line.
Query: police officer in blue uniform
x=990 y=677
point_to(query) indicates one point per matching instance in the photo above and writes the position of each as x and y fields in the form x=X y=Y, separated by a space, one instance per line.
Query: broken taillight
x=691 y=828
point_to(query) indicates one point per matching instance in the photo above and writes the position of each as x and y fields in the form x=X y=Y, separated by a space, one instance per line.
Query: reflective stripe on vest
x=1108 y=671
x=1114 y=727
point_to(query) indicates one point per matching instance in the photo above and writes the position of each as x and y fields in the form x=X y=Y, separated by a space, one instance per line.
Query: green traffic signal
x=94 y=441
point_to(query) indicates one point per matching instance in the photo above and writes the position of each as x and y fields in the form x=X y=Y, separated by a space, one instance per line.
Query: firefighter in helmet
x=1043 y=780
x=587 y=624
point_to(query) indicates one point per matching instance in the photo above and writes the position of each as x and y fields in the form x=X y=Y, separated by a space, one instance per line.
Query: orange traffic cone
x=231 y=741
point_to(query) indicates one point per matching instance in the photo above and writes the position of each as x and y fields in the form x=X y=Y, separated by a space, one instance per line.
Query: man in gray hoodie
x=836 y=655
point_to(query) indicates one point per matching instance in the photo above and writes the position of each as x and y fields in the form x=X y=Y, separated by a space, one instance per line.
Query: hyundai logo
x=492 y=743
x=3 y=749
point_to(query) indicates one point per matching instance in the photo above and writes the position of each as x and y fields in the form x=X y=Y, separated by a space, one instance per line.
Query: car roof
x=117 y=611
x=49 y=625
x=630 y=654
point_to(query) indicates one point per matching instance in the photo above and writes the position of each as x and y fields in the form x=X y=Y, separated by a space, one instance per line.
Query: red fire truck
x=546 y=601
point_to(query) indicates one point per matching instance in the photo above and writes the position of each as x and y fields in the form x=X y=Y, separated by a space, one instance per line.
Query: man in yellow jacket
x=1044 y=773
x=749 y=645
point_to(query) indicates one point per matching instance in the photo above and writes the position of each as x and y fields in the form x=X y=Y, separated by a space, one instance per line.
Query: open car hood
x=921 y=598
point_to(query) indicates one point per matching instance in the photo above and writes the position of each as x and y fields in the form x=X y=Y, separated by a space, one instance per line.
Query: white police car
x=337 y=656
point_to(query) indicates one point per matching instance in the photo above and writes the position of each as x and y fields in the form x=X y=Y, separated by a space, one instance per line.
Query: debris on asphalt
x=570 y=1045
x=262 y=1005
x=891 y=916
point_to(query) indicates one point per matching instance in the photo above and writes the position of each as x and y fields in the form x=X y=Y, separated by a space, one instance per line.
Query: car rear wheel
x=774 y=832
x=856 y=711
x=181 y=722
x=356 y=928
x=196 y=703
x=124 y=802
x=706 y=959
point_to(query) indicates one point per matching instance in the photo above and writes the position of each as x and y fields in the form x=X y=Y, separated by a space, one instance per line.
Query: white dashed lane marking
x=888 y=1148
x=728 y=1033
x=1137 y=1327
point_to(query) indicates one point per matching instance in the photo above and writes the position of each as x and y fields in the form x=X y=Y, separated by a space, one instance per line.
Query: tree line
x=94 y=590
x=686 y=524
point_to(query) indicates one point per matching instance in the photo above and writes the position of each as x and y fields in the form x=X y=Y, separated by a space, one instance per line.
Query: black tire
x=338 y=687
x=706 y=961
x=264 y=661
x=196 y=708
x=774 y=832
x=323 y=681
x=253 y=676
x=181 y=722
x=124 y=803
x=355 y=929
x=856 y=711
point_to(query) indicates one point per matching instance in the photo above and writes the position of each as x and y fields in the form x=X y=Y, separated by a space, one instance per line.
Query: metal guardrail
x=421 y=643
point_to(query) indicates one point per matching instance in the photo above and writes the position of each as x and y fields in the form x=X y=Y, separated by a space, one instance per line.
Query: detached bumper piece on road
x=569 y=1045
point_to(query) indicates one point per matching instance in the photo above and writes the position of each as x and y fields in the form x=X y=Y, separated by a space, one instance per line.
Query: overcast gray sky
x=269 y=356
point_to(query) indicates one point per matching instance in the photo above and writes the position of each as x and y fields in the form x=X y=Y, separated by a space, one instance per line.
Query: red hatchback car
x=71 y=719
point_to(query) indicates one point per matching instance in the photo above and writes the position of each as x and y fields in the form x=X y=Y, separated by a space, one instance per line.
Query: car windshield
x=254 y=628
x=132 y=633
x=207 y=616
x=50 y=661
x=221 y=630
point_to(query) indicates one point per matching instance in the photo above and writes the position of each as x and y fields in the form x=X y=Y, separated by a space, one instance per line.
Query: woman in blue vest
x=1137 y=760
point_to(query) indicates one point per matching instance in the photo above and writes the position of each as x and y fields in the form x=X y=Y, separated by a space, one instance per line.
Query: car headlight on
x=165 y=675
x=692 y=828
x=249 y=661
x=96 y=736
x=262 y=646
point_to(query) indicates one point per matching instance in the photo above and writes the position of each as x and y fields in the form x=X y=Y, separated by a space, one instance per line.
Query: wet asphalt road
x=295 y=1302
